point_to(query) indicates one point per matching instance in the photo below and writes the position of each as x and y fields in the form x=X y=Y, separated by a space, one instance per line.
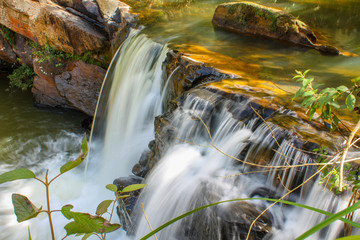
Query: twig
x=142 y=205
x=344 y=154
x=272 y=134
x=262 y=213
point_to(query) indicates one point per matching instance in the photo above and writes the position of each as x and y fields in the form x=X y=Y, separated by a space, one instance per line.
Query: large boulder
x=49 y=23
x=74 y=85
x=80 y=85
x=253 y=18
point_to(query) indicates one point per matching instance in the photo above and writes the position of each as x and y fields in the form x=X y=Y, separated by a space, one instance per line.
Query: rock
x=46 y=94
x=23 y=50
x=186 y=73
x=255 y=19
x=126 y=205
x=117 y=20
x=86 y=7
x=80 y=85
x=6 y=52
x=48 y=23
x=74 y=85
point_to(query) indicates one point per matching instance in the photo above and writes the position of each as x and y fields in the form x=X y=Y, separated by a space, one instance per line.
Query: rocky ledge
x=252 y=18
x=68 y=43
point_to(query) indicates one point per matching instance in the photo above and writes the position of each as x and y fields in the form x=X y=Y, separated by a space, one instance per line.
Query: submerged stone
x=255 y=19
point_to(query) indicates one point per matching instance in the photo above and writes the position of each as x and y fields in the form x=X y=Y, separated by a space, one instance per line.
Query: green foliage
x=24 y=208
x=329 y=220
x=21 y=173
x=22 y=77
x=326 y=100
x=7 y=34
x=72 y=164
x=49 y=53
x=82 y=224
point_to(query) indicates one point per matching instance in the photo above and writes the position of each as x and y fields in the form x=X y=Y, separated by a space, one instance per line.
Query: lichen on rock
x=255 y=19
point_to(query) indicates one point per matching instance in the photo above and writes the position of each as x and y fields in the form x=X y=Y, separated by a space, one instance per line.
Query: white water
x=191 y=175
x=188 y=176
x=130 y=101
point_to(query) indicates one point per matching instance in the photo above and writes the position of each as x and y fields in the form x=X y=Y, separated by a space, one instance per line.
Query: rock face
x=185 y=73
x=76 y=85
x=81 y=27
x=252 y=18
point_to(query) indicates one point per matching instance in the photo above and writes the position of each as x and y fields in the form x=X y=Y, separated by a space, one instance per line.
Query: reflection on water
x=187 y=26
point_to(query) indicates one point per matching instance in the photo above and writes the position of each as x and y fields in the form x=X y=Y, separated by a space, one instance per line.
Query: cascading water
x=130 y=100
x=192 y=173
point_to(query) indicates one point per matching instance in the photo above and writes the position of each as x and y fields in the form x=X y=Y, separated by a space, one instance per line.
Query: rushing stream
x=190 y=173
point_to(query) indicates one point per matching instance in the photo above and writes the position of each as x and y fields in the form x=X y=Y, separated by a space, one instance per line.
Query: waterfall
x=192 y=173
x=129 y=102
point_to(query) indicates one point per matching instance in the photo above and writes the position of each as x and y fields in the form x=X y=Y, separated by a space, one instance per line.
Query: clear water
x=41 y=139
x=188 y=28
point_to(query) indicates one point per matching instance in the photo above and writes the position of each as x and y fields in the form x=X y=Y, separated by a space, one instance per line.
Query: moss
x=49 y=53
x=22 y=77
x=232 y=8
x=7 y=34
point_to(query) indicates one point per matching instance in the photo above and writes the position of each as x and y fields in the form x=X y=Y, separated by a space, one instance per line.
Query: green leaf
x=355 y=237
x=123 y=196
x=354 y=224
x=65 y=210
x=24 y=208
x=29 y=233
x=307 y=82
x=350 y=102
x=103 y=207
x=21 y=173
x=72 y=164
x=329 y=220
x=355 y=80
x=112 y=187
x=312 y=112
x=308 y=101
x=133 y=187
x=84 y=145
x=306 y=71
x=84 y=223
x=86 y=236
x=342 y=89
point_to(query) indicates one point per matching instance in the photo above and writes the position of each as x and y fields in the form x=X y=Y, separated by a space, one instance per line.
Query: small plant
x=22 y=77
x=49 y=53
x=326 y=101
x=82 y=224
x=7 y=34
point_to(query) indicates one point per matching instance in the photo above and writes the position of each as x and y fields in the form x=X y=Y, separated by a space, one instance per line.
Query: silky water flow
x=191 y=172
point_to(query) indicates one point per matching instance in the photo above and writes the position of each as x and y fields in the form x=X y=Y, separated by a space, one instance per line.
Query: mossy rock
x=255 y=19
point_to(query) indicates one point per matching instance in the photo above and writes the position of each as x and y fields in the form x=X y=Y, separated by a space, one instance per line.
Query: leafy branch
x=83 y=223
x=326 y=101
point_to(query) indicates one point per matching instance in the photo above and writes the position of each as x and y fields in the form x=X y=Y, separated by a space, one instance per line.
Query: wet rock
x=126 y=205
x=117 y=19
x=184 y=73
x=255 y=19
x=6 y=52
x=66 y=84
x=142 y=168
x=87 y=123
x=80 y=85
